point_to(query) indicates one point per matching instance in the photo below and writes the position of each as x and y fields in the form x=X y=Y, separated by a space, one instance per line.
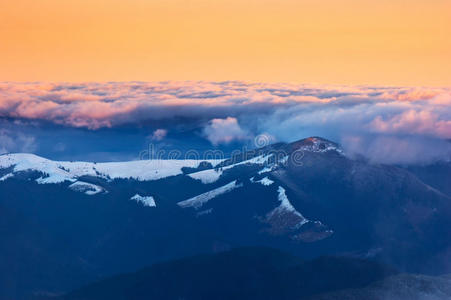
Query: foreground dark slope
x=247 y=273
x=314 y=201
x=437 y=175
x=397 y=287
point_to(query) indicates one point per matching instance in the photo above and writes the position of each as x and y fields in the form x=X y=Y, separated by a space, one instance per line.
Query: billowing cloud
x=237 y=110
x=393 y=149
x=159 y=134
x=224 y=131
x=423 y=122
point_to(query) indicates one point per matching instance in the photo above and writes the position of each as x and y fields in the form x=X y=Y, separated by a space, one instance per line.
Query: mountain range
x=66 y=224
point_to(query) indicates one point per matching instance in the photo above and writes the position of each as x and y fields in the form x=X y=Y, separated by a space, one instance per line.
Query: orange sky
x=331 y=41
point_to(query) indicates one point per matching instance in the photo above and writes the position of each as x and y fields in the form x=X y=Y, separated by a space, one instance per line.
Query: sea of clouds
x=384 y=124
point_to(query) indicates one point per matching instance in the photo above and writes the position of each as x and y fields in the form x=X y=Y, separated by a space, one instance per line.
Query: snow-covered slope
x=286 y=207
x=201 y=199
x=144 y=170
x=61 y=171
x=212 y=175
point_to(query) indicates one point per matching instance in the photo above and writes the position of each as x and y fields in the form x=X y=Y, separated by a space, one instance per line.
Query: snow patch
x=201 y=199
x=145 y=200
x=265 y=170
x=286 y=206
x=212 y=175
x=207 y=176
x=204 y=212
x=7 y=176
x=87 y=188
x=265 y=181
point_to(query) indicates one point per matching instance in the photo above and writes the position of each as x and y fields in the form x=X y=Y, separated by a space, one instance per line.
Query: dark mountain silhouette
x=397 y=287
x=246 y=273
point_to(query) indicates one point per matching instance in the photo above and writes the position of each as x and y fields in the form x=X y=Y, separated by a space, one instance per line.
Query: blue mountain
x=65 y=224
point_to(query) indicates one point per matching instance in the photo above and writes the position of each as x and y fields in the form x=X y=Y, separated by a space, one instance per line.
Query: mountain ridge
x=312 y=200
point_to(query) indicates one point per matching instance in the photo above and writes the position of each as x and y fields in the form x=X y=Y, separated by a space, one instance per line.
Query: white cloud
x=392 y=149
x=159 y=134
x=224 y=131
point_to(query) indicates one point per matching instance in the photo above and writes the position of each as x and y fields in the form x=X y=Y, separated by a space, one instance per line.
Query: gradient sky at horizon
x=346 y=42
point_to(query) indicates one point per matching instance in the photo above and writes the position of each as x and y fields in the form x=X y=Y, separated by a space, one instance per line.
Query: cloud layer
x=365 y=119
